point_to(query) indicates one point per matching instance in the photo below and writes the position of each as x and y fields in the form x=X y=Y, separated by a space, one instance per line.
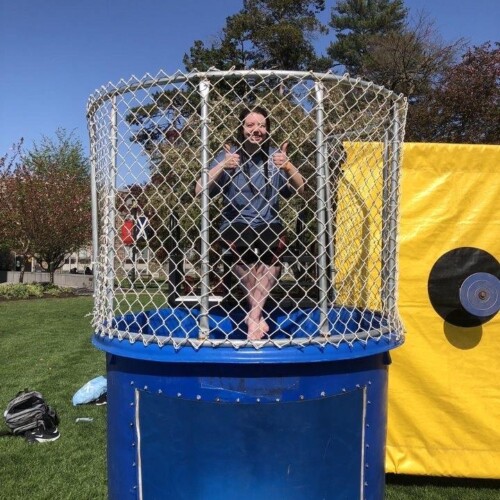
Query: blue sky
x=55 y=53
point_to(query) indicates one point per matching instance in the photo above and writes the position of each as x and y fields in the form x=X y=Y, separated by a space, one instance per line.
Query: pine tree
x=265 y=34
x=355 y=22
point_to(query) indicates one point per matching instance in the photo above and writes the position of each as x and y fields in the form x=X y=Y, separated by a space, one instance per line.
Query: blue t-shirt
x=248 y=197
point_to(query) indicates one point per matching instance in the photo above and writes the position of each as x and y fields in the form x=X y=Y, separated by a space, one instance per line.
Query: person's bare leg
x=258 y=281
x=246 y=280
x=265 y=279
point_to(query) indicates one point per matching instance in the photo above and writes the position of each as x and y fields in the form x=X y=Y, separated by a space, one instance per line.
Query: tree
x=46 y=202
x=61 y=154
x=355 y=22
x=464 y=106
x=409 y=60
x=265 y=34
x=64 y=200
x=12 y=235
x=378 y=42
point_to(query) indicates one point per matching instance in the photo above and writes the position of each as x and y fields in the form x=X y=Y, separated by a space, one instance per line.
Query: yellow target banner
x=444 y=388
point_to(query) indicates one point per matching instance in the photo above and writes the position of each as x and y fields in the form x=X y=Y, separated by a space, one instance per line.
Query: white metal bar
x=321 y=179
x=391 y=201
x=204 y=89
x=111 y=212
x=93 y=194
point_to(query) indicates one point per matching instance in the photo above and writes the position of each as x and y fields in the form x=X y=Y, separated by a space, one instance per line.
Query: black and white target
x=464 y=286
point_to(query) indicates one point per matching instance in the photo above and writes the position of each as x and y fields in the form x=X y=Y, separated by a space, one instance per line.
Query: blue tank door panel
x=304 y=450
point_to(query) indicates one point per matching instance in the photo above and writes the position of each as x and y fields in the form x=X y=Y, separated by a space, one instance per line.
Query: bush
x=34 y=289
x=14 y=291
x=55 y=290
x=30 y=290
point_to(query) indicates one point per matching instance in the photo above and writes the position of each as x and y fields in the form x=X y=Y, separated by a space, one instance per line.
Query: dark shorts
x=255 y=244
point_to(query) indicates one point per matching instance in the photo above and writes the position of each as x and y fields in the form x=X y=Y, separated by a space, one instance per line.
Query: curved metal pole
x=104 y=94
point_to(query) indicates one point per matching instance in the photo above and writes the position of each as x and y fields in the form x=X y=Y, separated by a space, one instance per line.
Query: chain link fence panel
x=165 y=270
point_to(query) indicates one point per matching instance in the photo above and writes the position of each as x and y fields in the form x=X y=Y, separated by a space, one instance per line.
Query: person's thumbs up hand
x=231 y=160
x=280 y=157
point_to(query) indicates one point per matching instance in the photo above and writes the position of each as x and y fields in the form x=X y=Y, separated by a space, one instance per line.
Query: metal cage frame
x=104 y=115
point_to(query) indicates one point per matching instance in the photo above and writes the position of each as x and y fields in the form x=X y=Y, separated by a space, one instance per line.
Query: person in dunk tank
x=251 y=176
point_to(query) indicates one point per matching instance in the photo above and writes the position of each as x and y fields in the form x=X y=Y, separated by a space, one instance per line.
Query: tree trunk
x=21 y=270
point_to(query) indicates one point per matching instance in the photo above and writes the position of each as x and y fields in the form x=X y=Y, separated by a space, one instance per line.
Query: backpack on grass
x=28 y=411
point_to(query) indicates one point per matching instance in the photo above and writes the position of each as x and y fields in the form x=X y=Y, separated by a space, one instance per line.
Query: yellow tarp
x=359 y=226
x=444 y=384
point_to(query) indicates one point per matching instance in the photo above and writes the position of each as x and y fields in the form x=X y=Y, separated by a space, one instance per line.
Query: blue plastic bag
x=91 y=391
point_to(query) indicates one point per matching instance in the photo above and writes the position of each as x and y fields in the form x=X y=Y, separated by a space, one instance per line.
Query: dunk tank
x=197 y=410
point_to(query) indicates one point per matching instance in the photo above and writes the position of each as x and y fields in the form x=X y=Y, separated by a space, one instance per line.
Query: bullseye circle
x=458 y=290
x=480 y=294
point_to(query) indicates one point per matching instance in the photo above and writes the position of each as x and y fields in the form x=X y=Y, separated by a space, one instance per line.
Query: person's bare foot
x=257 y=329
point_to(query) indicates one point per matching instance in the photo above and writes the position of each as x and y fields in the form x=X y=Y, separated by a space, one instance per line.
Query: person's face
x=254 y=129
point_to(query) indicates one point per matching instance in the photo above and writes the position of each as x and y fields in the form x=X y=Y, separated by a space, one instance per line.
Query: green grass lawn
x=45 y=345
